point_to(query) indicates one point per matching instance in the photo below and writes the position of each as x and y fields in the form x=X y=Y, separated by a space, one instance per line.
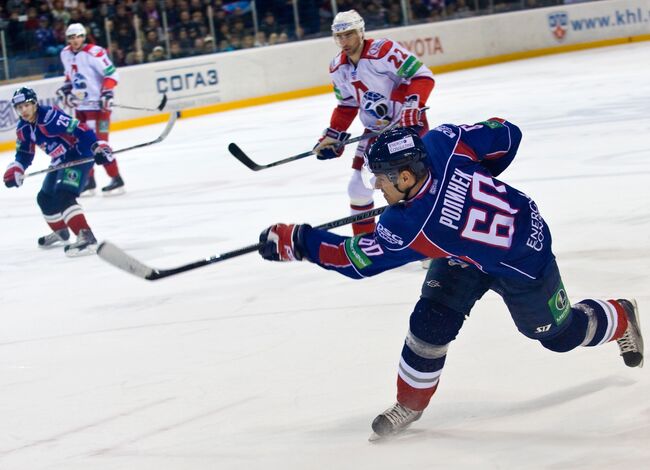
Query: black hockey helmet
x=24 y=95
x=395 y=150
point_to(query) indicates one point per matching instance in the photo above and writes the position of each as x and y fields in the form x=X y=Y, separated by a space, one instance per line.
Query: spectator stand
x=32 y=32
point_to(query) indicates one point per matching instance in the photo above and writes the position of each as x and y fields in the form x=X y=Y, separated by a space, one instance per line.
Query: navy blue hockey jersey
x=59 y=135
x=462 y=212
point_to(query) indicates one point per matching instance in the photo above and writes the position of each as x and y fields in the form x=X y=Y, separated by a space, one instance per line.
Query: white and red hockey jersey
x=386 y=76
x=90 y=71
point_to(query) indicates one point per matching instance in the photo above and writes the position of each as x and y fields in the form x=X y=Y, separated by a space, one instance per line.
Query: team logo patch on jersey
x=375 y=47
x=559 y=305
x=79 y=86
x=79 y=81
x=557 y=22
x=375 y=104
x=71 y=177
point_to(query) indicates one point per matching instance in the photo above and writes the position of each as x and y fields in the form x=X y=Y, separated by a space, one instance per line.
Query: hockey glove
x=65 y=95
x=102 y=152
x=106 y=100
x=331 y=145
x=411 y=115
x=14 y=175
x=282 y=242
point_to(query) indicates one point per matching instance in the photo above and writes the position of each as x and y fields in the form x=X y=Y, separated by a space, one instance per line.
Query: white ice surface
x=255 y=365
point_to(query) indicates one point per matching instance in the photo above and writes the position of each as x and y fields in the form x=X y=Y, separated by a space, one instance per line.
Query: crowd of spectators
x=139 y=31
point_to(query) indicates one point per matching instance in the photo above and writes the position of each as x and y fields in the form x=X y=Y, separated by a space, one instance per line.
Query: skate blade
x=54 y=245
x=638 y=324
x=114 y=192
x=88 y=193
x=396 y=435
x=377 y=438
x=78 y=253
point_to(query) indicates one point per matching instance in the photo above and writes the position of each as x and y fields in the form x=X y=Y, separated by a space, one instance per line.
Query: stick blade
x=242 y=157
x=163 y=102
x=173 y=116
x=114 y=255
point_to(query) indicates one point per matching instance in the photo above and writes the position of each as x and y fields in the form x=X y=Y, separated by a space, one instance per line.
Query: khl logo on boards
x=558 y=23
x=8 y=118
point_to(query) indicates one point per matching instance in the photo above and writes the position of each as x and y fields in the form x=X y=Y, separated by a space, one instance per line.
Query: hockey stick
x=168 y=128
x=160 y=107
x=114 y=255
x=239 y=154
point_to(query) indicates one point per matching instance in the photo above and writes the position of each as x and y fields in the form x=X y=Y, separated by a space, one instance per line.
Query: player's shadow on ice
x=447 y=421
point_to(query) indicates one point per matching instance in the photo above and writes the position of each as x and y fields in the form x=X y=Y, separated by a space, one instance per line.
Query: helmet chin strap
x=408 y=190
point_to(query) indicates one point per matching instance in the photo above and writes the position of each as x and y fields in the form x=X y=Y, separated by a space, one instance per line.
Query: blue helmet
x=24 y=95
x=395 y=150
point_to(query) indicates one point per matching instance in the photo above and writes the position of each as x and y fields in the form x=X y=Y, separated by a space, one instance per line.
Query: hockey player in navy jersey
x=446 y=203
x=64 y=139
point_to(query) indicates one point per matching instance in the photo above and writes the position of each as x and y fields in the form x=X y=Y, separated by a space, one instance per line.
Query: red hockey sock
x=363 y=226
x=75 y=219
x=621 y=325
x=55 y=221
x=413 y=398
x=59 y=225
x=366 y=226
x=111 y=169
x=357 y=163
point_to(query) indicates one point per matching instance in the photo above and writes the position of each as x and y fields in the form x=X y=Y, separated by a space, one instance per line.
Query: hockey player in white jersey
x=90 y=78
x=382 y=82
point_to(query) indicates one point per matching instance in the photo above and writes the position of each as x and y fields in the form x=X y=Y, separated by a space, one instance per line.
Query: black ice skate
x=115 y=187
x=86 y=244
x=393 y=421
x=631 y=343
x=54 y=239
x=89 y=189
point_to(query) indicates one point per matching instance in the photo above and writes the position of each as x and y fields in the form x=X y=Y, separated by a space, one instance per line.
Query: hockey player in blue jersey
x=446 y=203
x=64 y=139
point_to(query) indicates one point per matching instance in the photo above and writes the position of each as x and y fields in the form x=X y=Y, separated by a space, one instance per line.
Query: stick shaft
x=122 y=260
x=160 y=138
